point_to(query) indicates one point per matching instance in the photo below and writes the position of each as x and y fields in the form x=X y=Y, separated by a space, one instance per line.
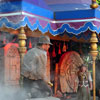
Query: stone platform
x=47 y=98
x=54 y=98
x=76 y=98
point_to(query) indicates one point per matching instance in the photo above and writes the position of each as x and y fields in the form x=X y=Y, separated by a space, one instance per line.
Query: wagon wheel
x=69 y=63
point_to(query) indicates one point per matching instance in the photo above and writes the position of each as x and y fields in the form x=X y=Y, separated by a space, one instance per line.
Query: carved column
x=22 y=46
x=94 y=4
x=22 y=43
x=94 y=52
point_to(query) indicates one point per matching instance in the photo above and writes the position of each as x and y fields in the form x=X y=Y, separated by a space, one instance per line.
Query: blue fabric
x=88 y=25
x=15 y=6
x=40 y=3
x=97 y=13
x=58 y=12
x=79 y=36
x=68 y=7
x=37 y=10
x=61 y=11
x=7 y=7
x=52 y=2
x=89 y=13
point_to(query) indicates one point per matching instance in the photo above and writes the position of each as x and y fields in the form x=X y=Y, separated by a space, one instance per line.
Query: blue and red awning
x=71 y=19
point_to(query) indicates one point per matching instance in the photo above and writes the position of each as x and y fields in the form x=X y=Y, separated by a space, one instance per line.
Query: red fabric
x=59 y=51
x=64 y=47
x=30 y=44
x=53 y=53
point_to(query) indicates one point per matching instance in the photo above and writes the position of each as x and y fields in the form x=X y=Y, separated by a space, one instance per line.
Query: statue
x=85 y=84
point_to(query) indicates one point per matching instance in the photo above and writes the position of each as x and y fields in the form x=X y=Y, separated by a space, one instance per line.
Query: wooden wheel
x=69 y=63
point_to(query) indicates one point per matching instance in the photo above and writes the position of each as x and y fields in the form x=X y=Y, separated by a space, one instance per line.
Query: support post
x=94 y=52
x=22 y=48
x=56 y=79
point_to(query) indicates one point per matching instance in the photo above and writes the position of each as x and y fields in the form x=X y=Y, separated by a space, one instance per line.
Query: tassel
x=59 y=51
x=53 y=53
x=30 y=44
x=64 y=47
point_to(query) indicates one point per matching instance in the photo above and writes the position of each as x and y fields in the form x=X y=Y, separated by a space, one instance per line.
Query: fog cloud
x=11 y=93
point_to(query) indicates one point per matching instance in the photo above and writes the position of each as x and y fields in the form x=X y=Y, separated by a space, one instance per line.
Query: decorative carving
x=94 y=4
x=93 y=41
x=12 y=65
x=69 y=64
x=22 y=43
x=22 y=48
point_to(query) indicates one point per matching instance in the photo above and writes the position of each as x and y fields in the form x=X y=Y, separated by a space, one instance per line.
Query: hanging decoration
x=53 y=53
x=59 y=50
x=30 y=44
x=64 y=47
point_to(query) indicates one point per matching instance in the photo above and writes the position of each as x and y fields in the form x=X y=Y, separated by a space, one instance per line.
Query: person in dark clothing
x=34 y=69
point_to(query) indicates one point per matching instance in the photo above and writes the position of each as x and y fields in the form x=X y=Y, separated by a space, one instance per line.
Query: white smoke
x=11 y=93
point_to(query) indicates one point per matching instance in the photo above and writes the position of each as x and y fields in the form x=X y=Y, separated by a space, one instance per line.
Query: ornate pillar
x=22 y=44
x=94 y=52
x=94 y=4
